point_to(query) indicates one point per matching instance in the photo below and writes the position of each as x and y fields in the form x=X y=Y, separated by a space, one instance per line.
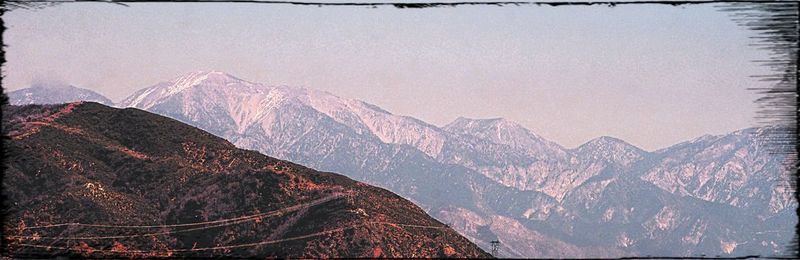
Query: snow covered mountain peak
x=54 y=93
x=148 y=97
x=704 y=138
x=468 y=123
x=201 y=78
x=52 y=86
x=608 y=143
x=506 y=132
x=610 y=149
x=501 y=129
x=606 y=140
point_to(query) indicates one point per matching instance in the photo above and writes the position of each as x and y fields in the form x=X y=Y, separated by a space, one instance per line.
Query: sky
x=652 y=75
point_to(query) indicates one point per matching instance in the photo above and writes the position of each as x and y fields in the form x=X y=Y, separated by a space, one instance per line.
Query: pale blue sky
x=653 y=75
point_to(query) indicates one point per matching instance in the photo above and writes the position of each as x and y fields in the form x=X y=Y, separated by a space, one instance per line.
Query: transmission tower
x=495 y=247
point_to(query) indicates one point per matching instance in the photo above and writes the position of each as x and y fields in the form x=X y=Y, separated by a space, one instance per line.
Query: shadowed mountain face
x=54 y=94
x=106 y=182
x=494 y=179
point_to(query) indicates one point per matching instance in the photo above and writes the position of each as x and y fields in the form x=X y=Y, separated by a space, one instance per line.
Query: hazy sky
x=653 y=75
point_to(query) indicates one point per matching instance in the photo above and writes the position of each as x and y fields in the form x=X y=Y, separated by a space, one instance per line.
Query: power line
x=144 y=235
x=291 y=208
x=265 y=242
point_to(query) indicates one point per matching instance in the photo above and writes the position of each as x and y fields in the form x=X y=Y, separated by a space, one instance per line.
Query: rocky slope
x=736 y=169
x=96 y=181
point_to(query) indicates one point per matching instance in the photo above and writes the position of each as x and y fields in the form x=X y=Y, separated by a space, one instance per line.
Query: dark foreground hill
x=91 y=180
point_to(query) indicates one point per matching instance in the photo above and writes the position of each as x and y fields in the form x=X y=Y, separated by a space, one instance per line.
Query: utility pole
x=495 y=247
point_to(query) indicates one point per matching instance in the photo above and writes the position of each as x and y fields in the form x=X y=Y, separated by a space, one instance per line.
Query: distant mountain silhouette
x=55 y=94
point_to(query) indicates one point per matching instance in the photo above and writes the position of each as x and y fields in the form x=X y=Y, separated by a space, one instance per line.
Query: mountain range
x=96 y=181
x=494 y=179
